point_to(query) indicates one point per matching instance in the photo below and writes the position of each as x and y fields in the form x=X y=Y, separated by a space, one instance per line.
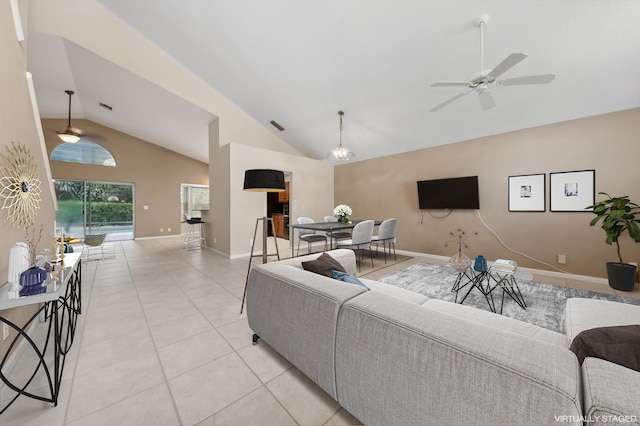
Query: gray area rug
x=545 y=302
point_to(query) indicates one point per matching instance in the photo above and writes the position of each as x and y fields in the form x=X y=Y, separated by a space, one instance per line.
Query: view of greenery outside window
x=193 y=200
x=95 y=208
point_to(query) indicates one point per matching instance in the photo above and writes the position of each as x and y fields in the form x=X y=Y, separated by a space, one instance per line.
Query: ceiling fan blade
x=450 y=84
x=93 y=137
x=530 y=79
x=486 y=100
x=504 y=66
x=447 y=102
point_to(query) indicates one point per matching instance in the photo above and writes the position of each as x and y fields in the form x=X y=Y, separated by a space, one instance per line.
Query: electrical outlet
x=161 y=229
x=168 y=229
x=214 y=240
x=562 y=259
x=5 y=331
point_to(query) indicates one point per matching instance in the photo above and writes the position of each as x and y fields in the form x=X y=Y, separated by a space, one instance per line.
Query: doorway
x=89 y=207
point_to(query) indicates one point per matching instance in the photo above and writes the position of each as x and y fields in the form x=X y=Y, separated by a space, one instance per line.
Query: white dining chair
x=335 y=235
x=360 y=240
x=386 y=235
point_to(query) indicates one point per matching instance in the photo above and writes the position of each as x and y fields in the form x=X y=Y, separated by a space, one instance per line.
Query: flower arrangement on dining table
x=342 y=213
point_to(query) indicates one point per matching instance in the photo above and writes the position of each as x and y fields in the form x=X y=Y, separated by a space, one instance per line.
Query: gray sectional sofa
x=393 y=357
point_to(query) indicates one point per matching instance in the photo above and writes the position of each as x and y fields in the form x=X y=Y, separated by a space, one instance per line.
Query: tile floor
x=161 y=341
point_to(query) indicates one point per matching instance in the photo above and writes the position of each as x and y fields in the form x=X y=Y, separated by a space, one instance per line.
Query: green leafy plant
x=618 y=214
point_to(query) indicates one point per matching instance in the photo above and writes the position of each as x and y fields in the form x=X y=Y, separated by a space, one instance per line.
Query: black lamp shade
x=267 y=180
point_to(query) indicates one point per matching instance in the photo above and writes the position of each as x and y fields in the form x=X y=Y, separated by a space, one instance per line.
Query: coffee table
x=486 y=282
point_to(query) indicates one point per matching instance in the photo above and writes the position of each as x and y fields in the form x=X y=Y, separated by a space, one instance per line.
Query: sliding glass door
x=86 y=207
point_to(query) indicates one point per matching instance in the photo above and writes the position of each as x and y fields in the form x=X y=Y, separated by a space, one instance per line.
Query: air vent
x=106 y=106
x=277 y=125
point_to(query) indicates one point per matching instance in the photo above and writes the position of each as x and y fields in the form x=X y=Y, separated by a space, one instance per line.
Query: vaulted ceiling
x=299 y=62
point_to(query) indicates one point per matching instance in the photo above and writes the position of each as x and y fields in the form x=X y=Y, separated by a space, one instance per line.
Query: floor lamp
x=262 y=180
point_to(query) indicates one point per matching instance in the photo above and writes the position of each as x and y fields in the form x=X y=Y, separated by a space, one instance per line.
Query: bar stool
x=195 y=239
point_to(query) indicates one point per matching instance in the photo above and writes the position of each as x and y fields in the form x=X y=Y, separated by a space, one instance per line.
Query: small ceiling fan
x=72 y=134
x=486 y=79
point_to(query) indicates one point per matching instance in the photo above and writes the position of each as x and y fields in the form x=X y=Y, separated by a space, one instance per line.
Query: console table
x=58 y=311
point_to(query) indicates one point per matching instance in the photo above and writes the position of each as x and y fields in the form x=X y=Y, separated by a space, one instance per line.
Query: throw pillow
x=348 y=278
x=323 y=265
x=618 y=344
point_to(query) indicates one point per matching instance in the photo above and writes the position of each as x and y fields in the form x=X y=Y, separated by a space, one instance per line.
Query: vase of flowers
x=459 y=261
x=342 y=213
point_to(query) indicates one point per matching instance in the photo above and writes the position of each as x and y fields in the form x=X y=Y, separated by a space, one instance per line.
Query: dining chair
x=309 y=235
x=335 y=235
x=386 y=235
x=360 y=240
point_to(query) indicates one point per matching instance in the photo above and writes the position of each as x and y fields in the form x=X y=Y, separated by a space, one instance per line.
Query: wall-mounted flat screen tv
x=452 y=193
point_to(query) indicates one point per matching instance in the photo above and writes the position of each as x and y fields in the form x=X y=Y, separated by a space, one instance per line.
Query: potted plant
x=618 y=214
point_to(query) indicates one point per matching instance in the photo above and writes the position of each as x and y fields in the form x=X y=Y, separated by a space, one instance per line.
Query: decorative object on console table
x=262 y=180
x=18 y=263
x=33 y=281
x=342 y=213
x=618 y=214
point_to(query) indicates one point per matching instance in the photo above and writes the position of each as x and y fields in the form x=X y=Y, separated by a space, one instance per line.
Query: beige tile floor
x=161 y=341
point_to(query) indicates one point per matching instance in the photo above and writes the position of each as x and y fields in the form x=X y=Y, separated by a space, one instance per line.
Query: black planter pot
x=622 y=276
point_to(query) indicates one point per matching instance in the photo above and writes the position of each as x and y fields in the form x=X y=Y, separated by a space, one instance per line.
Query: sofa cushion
x=610 y=393
x=490 y=319
x=348 y=278
x=618 y=344
x=399 y=363
x=296 y=313
x=323 y=265
x=583 y=314
x=397 y=292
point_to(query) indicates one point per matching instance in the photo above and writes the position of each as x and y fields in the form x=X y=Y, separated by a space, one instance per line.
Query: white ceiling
x=299 y=62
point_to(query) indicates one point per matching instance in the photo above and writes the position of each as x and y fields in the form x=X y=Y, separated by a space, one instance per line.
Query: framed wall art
x=527 y=193
x=572 y=191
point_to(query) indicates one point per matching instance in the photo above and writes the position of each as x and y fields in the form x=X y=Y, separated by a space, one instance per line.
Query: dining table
x=326 y=227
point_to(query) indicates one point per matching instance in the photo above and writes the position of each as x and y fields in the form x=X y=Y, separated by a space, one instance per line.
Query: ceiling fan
x=72 y=134
x=486 y=79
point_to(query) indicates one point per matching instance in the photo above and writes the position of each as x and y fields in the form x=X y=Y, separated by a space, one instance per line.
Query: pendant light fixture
x=69 y=136
x=340 y=153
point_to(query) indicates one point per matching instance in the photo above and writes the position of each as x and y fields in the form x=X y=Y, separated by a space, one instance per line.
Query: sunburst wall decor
x=20 y=185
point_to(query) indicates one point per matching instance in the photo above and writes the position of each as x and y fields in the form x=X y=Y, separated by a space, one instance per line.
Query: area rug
x=545 y=302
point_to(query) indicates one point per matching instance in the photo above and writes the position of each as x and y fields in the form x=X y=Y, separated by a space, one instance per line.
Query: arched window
x=83 y=152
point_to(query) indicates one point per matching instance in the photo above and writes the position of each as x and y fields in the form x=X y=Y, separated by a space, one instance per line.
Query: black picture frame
x=572 y=191
x=527 y=193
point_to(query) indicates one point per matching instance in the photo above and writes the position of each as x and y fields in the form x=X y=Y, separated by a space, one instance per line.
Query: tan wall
x=18 y=124
x=156 y=173
x=311 y=193
x=610 y=144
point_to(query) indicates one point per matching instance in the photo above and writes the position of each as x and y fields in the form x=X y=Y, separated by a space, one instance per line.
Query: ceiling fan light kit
x=340 y=153
x=484 y=80
x=69 y=136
